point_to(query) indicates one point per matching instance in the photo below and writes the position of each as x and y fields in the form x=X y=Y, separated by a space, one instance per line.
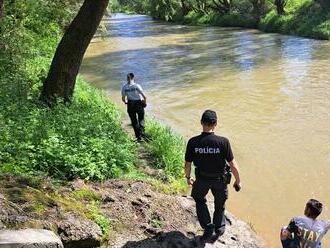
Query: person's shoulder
x=194 y=138
x=221 y=138
x=124 y=85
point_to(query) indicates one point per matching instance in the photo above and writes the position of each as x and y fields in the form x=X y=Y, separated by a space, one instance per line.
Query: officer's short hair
x=315 y=208
x=209 y=117
x=130 y=75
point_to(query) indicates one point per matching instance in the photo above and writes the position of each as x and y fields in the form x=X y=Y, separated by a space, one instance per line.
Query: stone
x=77 y=232
x=29 y=238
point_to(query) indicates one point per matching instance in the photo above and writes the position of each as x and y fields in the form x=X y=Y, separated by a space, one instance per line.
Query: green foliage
x=81 y=140
x=225 y=20
x=304 y=18
x=166 y=147
x=102 y=221
x=86 y=194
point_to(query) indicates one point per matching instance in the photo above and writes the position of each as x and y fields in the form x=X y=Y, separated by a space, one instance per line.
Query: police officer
x=210 y=154
x=131 y=95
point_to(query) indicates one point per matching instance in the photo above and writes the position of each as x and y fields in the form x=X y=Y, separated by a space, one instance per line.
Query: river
x=271 y=92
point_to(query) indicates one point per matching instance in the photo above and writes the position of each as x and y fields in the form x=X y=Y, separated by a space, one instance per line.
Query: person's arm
x=123 y=95
x=235 y=170
x=233 y=166
x=144 y=97
x=142 y=93
x=189 y=159
x=187 y=172
x=123 y=98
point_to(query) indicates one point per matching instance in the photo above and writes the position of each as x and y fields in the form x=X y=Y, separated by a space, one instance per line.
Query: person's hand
x=190 y=181
x=237 y=185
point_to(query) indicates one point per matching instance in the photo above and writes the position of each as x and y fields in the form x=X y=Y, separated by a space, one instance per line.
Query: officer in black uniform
x=210 y=154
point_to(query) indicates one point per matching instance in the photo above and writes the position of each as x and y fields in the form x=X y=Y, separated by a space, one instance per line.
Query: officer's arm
x=187 y=169
x=235 y=170
x=123 y=95
x=123 y=98
x=140 y=90
x=144 y=96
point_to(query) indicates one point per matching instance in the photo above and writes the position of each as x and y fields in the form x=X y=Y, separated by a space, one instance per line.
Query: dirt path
x=176 y=219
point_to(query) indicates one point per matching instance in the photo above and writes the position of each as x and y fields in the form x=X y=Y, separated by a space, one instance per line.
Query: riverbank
x=114 y=213
x=72 y=168
x=303 y=18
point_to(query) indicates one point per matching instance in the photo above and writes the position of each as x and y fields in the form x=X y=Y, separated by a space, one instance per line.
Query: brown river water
x=271 y=92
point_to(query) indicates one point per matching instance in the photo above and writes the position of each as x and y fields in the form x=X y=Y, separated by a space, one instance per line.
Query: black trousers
x=135 y=111
x=220 y=192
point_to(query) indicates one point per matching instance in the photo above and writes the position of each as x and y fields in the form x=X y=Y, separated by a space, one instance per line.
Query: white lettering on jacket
x=207 y=150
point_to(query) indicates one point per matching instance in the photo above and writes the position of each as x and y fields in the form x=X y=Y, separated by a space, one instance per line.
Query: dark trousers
x=135 y=111
x=220 y=192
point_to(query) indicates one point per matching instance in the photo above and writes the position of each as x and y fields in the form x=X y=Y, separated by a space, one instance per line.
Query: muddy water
x=272 y=94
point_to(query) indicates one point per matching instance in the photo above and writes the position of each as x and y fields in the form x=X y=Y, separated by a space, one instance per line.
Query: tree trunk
x=280 y=4
x=1 y=8
x=61 y=78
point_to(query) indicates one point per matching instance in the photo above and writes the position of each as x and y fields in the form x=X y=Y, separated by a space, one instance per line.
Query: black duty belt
x=206 y=175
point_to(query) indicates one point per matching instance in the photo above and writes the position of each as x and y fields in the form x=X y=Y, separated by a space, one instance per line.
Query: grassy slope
x=83 y=140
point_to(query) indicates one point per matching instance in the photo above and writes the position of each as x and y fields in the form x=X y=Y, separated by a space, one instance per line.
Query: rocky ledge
x=116 y=213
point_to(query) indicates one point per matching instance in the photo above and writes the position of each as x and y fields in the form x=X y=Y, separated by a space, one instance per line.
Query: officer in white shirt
x=133 y=96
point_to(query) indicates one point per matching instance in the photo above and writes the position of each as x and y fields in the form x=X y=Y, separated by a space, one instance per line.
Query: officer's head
x=313 y=208
x=130 y=77
x=209 y=118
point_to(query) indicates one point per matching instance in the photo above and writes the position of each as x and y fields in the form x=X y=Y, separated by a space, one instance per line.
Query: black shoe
x=218 y=233
x=208 y=232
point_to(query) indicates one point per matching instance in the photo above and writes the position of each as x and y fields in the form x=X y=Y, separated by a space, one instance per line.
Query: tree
x=64 y=68
x=1 y=8
x=259 y=8
x=280 y=4
x=222 y=6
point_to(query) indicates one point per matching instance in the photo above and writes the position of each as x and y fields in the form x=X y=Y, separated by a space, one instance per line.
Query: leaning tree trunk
x=1 y=8
x=61 y=78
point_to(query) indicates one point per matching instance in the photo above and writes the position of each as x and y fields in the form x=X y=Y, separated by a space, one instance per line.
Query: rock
x=107 y=199
x=77 y=232
x=29 y=238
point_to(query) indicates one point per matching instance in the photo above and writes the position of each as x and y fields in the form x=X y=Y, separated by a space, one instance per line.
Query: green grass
x=166 y=148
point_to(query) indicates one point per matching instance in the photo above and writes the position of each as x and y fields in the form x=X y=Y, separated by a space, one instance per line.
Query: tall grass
x=166 y=147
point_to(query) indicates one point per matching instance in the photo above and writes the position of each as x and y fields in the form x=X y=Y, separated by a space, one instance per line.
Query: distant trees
x=222 y=6
x=64 y=68
x=258 y=8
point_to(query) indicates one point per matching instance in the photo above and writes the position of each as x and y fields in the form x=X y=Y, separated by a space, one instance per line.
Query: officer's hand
x=237 y=186
x=190 y=181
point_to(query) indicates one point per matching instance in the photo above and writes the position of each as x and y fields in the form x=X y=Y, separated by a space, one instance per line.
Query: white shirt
x=132 y=91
